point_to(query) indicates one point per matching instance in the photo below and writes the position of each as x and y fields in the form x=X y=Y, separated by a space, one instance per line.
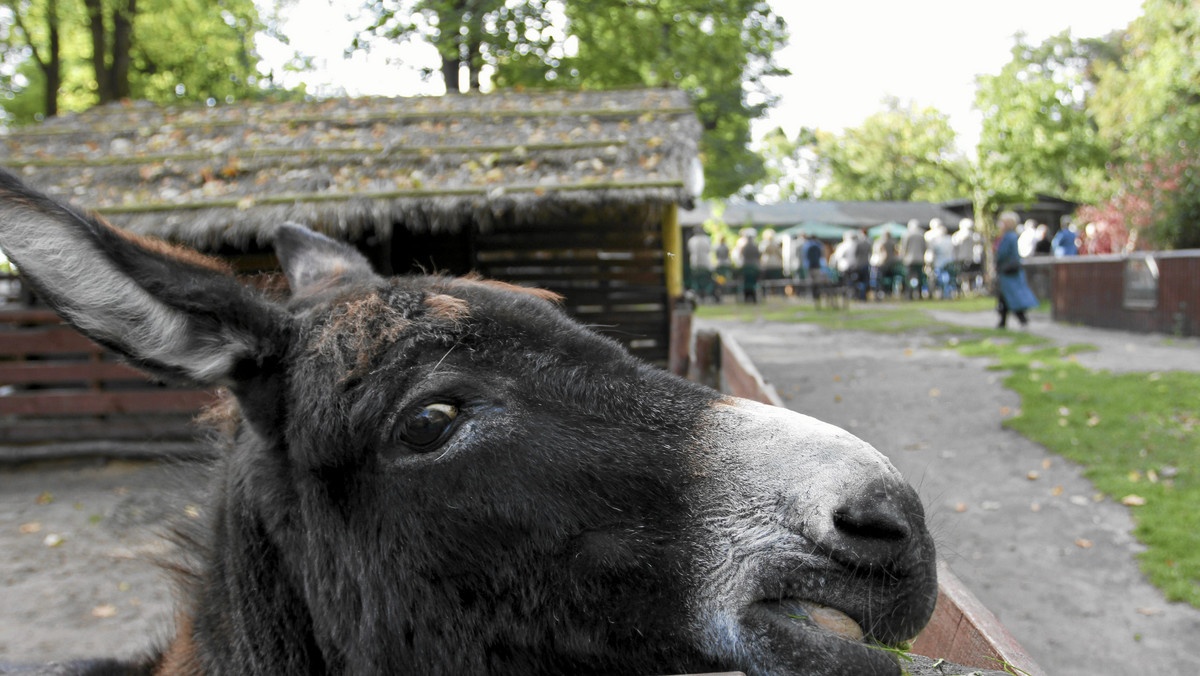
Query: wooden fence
x=1144 y=292
x=610 y=272
x=62 y=394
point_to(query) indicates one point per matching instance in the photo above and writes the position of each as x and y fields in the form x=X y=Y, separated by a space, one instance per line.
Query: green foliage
x=1147 y=100
x=900 y=153
x=720 y=53
x=792 y=165
x=1038 y=135
x=182 y=50
x=1146 y=107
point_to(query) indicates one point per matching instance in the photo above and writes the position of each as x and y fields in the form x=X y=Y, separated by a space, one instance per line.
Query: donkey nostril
x=874 y=516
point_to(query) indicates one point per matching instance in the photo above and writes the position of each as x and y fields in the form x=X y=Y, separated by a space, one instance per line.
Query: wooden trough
x=961 y=630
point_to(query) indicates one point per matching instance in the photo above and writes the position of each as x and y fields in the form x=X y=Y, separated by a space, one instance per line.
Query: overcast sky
x=845 y=57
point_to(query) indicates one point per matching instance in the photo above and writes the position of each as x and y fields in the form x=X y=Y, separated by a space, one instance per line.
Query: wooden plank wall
x=58 y=387
x=1089 y=290
x=608 y=268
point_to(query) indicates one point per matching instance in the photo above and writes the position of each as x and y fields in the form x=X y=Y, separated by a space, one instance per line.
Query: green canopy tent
x=821 y=231
x=896 y=229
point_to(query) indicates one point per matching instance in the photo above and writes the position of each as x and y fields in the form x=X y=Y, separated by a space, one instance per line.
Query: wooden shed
x=576 y=192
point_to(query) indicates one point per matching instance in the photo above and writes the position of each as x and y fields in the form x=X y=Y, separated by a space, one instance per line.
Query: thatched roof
x=350 y=167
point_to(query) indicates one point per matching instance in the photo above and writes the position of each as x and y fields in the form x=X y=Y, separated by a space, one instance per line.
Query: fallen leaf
x=837 y=379
x=192 y=511
x=45 y=498
x=30 y=528
x=1032 y=475
x=1083 y=543
x=935 y=392
x=53 y=540
x=105 y=610
x=1004 y=410
x=908 y=352
x=960 y=507
x=1035 y=507
x=1046 y=463
x=1150 y=611
x=837 y=398
x=1064 y=411
x=1133 y=500
x=1046 y=387
x=1057 y=490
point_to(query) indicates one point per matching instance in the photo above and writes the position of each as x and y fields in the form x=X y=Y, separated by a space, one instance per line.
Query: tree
x=900 y=153
x=36 y=29
x=1038 y=134
x=720 y=53
x=1146 y=107
x=112 y=40
x=467 y=33
x=159 y=50
x=792 y=165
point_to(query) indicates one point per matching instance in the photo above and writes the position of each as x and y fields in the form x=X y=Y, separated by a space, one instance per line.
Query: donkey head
x=451 y=476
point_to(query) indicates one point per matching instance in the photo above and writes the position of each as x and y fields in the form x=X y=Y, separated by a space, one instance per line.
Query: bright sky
x=845 y=57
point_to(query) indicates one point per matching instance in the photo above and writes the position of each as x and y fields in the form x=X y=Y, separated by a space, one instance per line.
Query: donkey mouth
x=809 y=616
x=806 y=637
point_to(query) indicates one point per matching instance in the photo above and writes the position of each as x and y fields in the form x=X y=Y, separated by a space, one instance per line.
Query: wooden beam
x=673 y=251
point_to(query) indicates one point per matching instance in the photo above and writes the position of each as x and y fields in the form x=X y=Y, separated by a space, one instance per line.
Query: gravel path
x=1013 y=541
x=78 y=542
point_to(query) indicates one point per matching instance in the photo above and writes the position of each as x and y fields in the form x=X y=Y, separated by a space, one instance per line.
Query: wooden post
x=679 y=310
x=672 y=239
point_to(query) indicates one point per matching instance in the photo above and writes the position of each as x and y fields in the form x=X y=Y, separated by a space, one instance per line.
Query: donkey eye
x=423 y=430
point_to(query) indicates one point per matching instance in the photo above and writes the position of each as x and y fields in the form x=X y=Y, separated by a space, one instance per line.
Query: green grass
x=1134 y=434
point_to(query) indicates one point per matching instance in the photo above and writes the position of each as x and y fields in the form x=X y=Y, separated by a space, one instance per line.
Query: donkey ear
x=311 y=261
x=172 y=312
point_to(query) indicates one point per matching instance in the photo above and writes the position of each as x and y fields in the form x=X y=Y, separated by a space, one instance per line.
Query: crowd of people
x=922 y=263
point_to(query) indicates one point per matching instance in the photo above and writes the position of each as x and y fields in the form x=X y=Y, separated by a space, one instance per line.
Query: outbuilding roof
x=847 y=214
x=226 y=175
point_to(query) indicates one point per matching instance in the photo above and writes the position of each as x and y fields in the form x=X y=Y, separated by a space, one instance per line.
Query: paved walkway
x=1012 y=540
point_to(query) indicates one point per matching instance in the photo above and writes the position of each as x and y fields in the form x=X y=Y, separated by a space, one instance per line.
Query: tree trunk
x=121 y=57
x=52 y=69
x=95 y=10
x=450 y=73
x=473 y=64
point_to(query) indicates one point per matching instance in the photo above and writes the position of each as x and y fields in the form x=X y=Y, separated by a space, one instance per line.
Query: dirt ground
x=77 y=545
x=937 y=415
x=77 y=539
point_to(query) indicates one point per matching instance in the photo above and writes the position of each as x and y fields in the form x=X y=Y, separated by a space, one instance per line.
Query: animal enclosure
x=575 y=192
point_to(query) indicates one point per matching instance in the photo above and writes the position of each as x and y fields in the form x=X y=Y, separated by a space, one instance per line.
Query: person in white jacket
x=939 y=255
x=968 y=255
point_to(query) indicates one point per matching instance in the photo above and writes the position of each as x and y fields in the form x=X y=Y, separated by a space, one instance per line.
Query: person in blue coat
x=1012 y=291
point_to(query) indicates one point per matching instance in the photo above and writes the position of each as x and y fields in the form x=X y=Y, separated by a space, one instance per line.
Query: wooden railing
x=62 y=394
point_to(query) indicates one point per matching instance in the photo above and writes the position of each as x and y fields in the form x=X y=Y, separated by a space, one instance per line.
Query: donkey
x=436 y=475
